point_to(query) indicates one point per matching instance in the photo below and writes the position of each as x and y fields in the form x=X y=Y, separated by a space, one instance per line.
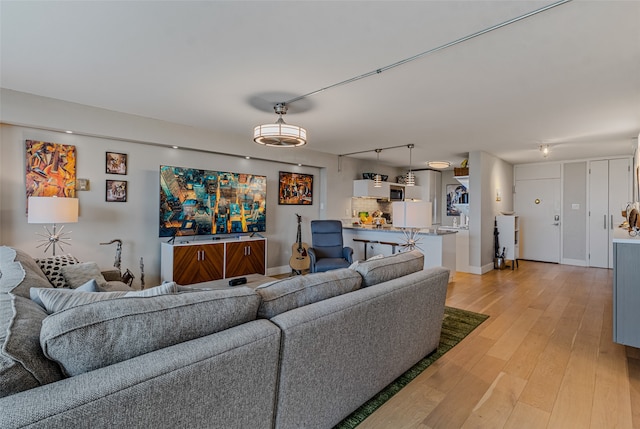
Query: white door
x=619 y=196
x=609 y=192
x=537 y=203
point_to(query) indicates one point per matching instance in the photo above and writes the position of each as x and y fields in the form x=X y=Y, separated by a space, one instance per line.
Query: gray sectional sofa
x=301 y=352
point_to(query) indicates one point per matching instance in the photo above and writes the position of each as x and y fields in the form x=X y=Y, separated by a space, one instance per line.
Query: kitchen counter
x=621 y=235
x=426 y=231
x=438 y=246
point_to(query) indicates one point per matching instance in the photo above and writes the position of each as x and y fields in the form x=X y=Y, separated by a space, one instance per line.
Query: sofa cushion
x=78 y=274
x=60 y=299
x=23 y=366
x=102 y=333
x=284 y=295
x=391 y=267
x=52 y=268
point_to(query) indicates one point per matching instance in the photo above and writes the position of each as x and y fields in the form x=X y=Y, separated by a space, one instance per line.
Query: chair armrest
x=312 y=258
x=347 y=253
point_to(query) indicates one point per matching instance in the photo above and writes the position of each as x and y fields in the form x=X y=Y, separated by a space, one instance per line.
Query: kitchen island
x=438 y=247
x=626 y=289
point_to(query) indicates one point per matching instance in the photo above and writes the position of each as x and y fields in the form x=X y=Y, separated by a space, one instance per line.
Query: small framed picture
x=116 y=163
x=295 y=189
x=116 y=191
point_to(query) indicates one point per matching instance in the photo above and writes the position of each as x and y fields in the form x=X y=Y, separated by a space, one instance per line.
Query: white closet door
x=599 y=214
x=619 y=196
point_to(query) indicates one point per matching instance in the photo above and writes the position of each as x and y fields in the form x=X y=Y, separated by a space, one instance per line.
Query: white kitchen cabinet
x=367 y=189
x=509 y=237
x=430 y=189
x=413 y=193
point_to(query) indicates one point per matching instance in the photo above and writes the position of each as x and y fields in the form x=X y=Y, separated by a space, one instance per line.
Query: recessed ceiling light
x=69 y=132
x=299 y=165
x=439 y=164
x=247 y=157
x=175 y=147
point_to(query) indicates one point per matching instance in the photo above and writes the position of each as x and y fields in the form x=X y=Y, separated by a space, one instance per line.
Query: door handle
x=605 y=221
x=611 y=221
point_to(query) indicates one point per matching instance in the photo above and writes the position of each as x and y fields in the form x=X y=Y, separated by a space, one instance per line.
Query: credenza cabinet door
x=195 y=264
x=245 y=257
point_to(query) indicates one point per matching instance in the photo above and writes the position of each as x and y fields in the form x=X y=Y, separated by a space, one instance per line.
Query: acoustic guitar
x=299 y=256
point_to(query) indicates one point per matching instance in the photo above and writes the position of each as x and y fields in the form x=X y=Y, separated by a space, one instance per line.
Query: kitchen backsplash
x=369 y=205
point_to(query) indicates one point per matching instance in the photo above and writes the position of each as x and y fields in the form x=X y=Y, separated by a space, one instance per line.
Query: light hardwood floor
x=544 y=359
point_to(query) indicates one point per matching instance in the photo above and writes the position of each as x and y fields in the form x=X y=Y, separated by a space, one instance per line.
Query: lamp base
x=412 y=239
x=53 y=238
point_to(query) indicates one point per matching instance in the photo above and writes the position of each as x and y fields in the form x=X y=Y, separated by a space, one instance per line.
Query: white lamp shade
x=412 y=214
x=52 y=210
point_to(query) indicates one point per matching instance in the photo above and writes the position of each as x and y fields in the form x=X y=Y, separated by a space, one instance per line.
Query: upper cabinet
x=413 y=193
x=367 y=189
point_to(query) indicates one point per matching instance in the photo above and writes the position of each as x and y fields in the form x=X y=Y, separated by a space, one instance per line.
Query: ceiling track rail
x=430 y=51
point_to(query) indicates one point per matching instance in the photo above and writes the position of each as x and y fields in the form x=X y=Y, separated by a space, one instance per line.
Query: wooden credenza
x=188 y=263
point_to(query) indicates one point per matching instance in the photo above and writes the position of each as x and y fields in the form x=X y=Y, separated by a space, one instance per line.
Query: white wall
x=28 y=117
x=486 y=175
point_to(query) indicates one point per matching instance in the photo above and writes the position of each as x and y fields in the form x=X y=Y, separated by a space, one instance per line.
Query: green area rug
x=456 y=325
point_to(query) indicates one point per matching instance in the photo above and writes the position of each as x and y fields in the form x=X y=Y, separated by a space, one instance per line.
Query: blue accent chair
x=327 y=251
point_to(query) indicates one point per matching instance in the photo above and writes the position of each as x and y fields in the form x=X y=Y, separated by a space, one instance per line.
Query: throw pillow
x=90 y=286
x=78 y=274
x=293 y=292
x=125 y=328
x=52 y=268
x=55 y=300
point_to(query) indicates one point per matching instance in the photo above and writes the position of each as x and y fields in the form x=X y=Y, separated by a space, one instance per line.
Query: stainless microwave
x=396 y=193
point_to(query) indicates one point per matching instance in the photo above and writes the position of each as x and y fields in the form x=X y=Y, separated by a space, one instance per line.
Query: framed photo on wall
x=116 y=163
x=116 y=191
x=295 y=189
x=456 y=194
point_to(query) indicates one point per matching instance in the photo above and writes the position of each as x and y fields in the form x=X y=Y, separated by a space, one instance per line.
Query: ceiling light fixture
x=280 y=134
x=411 y=178
x=544 y=148
x=377 y=180
x=439 y=164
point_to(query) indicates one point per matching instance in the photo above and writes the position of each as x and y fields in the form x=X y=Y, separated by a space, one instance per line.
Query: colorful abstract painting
x=51 y=169
x=203 y=202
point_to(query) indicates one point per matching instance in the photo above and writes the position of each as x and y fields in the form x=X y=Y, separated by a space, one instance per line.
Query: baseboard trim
x=576 y=262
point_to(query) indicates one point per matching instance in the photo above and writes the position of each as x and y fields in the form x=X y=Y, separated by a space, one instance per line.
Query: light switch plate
x=575 y=206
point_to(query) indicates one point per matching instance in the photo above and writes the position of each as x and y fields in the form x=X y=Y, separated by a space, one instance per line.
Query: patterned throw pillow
x=52 y=268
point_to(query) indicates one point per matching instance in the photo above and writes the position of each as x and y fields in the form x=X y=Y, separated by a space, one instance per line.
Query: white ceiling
x=568 y=77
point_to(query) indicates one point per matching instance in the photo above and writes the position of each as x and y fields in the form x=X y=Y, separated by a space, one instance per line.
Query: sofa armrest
x=228 y=378
x=112 y=275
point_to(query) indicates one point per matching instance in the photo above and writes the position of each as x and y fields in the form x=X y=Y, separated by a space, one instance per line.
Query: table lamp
x=53 y=210
x=411 y=217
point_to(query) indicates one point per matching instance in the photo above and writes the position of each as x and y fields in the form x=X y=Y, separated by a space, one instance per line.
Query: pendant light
x=377 y=180
x=280 y=134
x=411 y=178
